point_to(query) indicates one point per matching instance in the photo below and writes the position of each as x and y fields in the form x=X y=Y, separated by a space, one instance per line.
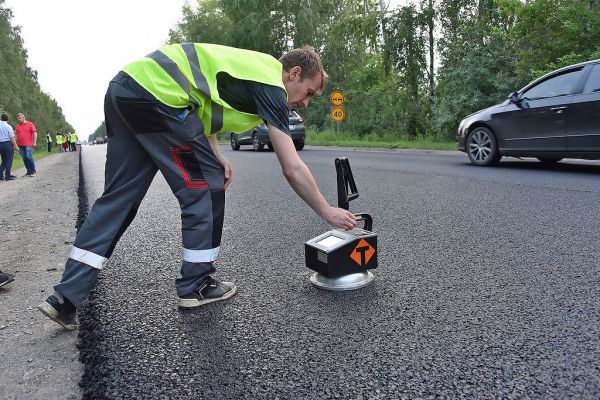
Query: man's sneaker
x=212 y=290
x=60 y=310
x=32 y=175
x=5 y=279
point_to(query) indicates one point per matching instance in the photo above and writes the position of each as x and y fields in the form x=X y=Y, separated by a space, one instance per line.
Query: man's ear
x=295 y=71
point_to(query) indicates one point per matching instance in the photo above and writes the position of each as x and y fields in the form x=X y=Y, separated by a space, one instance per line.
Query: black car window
x=556 y=86
x=593 y=82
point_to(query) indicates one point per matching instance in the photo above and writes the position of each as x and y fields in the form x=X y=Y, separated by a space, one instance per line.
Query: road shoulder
x=39 y=359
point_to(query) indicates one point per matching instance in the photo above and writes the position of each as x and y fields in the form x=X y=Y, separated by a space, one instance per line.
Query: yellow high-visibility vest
x=184 y=75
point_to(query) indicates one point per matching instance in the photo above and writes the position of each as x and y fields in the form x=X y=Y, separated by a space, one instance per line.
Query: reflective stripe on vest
x=199 y=78
x=173 y=70
x=216 y=122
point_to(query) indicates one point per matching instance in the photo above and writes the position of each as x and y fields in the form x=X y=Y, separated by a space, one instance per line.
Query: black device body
x=337 y=252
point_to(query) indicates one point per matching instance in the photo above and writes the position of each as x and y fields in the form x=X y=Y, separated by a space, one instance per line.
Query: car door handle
x=558 y=110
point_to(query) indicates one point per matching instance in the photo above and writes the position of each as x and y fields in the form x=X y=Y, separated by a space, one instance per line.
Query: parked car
x=258 y=136
x=554 y=117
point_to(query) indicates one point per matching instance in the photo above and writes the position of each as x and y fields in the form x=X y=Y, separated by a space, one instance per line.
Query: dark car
x=554 y=117
x=258 y=136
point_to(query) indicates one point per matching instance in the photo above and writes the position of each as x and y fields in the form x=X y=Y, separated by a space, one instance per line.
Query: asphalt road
x=488 y=287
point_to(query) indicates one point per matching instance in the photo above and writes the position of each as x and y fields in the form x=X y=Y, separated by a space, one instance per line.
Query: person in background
x=26 y=140
x=59 y=141
x=65 y=141
x=8 y=146
x=73 y=141
x=49 y=141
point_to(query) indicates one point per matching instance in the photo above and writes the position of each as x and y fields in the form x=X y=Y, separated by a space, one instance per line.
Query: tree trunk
x=430 y=23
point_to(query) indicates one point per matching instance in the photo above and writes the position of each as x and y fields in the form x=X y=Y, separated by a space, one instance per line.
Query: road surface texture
x=488 y=287
x=38 y=359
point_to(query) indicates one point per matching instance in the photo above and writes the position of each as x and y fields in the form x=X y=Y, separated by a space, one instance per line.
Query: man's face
x=20 y=119
x=301 y=90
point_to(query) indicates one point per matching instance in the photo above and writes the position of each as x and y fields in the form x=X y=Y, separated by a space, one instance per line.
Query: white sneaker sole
x=191 y=303
x=51 y=313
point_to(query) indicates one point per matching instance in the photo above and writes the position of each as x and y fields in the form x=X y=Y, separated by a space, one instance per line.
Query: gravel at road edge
x=38 y=359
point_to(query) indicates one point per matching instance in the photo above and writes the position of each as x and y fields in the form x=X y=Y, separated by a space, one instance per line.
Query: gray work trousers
x=145 y=135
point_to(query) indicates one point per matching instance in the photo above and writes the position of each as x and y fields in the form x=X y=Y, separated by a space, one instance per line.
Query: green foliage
x=330 y=137
x=206 y=23
x=100 y=132
x=555 y=33
x=484 y=50
x=20 y=91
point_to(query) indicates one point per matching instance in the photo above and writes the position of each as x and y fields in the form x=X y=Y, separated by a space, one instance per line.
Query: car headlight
x=461 y=126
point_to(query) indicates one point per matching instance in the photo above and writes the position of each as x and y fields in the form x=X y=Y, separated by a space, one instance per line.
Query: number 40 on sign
x=338 y=114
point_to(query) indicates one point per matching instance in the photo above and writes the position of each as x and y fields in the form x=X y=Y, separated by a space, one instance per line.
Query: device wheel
x=234 y=143
x=549 y=160
x=299 y=145
x=482 y=147
x=256 y=143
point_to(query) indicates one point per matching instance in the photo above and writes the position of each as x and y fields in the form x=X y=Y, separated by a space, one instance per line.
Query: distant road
x=488 y=287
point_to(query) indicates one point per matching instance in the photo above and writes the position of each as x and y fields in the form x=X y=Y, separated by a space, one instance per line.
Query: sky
x=77 y=46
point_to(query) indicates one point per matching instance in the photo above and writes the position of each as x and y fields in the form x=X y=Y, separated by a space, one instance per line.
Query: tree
x=207 y=23
x=20 y=90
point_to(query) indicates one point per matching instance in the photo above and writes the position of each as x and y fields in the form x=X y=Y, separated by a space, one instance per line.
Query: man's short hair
x=4 y=117
x=307 y=59
x=20 y=115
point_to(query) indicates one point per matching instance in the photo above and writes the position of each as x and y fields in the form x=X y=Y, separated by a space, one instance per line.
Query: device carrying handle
x=367 y=219
x=346 y=187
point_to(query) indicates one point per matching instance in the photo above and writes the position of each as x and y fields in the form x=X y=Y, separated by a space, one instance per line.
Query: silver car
x=258 y=136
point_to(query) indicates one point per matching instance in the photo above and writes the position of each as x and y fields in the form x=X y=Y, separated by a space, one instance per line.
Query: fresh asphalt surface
x=488 y=287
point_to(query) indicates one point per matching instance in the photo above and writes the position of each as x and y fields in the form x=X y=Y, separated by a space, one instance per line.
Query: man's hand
x=227 y=169
x=303 y=183
x=341 y=218
x=214 y=144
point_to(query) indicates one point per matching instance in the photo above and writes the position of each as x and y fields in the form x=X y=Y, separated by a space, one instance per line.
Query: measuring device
x=342 y=259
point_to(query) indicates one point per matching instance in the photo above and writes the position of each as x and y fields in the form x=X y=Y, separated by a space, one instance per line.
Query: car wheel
x=270 y=146
x=482 y=147
x=256 y=143
x=234 y=143
x=549 y=160
x=299 y=145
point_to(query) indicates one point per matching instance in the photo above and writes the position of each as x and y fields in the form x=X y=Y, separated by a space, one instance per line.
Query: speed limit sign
x=338 y=114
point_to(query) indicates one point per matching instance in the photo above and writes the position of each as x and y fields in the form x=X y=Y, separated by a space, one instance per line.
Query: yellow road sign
x=338 y=114
x=337 y=98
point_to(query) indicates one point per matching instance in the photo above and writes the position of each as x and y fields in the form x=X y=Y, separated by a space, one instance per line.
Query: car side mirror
x=514 y=97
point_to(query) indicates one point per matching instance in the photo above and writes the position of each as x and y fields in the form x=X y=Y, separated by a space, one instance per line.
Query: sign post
x=337 y=113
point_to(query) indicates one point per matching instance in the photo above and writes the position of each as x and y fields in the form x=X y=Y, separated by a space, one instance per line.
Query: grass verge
x=331 y=138
x=37 y=154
